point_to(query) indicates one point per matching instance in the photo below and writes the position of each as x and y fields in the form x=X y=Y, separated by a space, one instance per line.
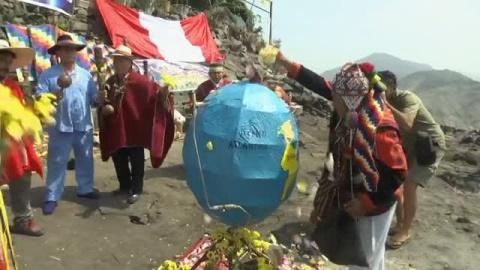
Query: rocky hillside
x=451 y=97
x=83 y=22
x=234 y=33
x=385 y=61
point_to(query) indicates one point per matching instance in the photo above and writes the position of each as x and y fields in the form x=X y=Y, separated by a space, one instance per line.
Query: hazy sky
x=323 y=34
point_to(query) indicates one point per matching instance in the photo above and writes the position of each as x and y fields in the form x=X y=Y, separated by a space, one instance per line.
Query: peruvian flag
x=187 y=40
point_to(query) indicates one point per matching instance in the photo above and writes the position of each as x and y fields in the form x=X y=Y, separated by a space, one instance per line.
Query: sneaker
x=91 y=195
x=133 y=199
x=26 y=226
x=49 y=207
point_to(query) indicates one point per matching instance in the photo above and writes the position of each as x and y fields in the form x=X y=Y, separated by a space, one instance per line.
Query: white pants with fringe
x=373 y=235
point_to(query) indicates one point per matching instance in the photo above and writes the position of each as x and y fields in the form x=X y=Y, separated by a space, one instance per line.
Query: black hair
x=388 y=78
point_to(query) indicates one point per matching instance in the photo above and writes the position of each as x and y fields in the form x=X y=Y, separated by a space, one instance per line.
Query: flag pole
x=34 y=72
x=270 y=39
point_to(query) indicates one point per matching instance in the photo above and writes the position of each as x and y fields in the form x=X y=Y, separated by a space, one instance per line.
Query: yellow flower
x=223 y=245
x=263 y=265
x=261 y=245
x=220 y=234
x=302 y=186
x=266 y=2
x=272 y=239
x=168 y=265
x=185 y=267
x=305 y=267
x=268 y=55
x=15 y=118
x=213 y=257
x=240 y=252
x=44 y=106
x=169 y=81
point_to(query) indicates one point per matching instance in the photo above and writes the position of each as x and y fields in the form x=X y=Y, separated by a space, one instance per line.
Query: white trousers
x=373 y=235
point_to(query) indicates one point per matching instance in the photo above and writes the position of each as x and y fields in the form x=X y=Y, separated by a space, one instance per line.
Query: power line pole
x=270 y=39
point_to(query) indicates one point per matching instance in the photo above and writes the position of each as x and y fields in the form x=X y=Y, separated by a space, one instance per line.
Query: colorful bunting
x=43 y=37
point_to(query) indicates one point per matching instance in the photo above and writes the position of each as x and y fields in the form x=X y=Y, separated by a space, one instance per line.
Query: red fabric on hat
x=367 y=68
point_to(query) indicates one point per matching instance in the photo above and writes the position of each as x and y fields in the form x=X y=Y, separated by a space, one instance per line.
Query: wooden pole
x=100 y=64
x=145 y=68
x=34 y=71
x=270 y=39
x=53 y=58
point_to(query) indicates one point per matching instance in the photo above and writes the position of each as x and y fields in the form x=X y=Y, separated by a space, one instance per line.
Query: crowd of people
x=383 y=141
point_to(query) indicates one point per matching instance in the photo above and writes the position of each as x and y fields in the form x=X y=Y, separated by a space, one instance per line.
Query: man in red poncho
x=216 y=81
x=20 y=160
x=137 y=115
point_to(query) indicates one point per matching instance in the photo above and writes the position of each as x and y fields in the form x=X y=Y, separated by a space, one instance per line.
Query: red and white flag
x=187 y=40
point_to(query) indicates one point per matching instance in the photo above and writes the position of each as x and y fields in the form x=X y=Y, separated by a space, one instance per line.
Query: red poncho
x=21 y=156
x=140 y=119
x=207 y=86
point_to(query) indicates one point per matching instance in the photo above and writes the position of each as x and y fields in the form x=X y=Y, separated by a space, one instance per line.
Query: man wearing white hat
x=77 y=92
x=137 y=115
x=216 y=81
x=21 y=159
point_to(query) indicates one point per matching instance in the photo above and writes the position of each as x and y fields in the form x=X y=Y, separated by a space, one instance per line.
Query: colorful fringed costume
x=369 y=162
x=379 y=163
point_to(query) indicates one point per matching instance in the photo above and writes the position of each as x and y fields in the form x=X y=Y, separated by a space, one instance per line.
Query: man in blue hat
x=77 y=92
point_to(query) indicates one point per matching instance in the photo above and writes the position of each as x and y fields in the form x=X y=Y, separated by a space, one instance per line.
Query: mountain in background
x=383 y=61
x=452 y=98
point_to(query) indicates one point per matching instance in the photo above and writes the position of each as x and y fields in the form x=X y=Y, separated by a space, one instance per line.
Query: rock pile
x=83 y=21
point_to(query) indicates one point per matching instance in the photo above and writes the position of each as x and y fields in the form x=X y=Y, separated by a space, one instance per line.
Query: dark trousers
x=130 y=177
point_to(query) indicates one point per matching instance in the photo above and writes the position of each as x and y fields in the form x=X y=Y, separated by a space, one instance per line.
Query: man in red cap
x=21 y=160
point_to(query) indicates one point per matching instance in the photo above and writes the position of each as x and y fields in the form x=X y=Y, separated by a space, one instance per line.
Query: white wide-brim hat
x=23 y=55
x=124 y=51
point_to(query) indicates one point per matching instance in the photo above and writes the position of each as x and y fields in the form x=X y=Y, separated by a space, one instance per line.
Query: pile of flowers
x=241 y=248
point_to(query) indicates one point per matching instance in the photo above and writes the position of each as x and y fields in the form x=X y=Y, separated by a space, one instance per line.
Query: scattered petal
x=302 y=186
x=210 y=146
x=299 y=211
x=207 y=219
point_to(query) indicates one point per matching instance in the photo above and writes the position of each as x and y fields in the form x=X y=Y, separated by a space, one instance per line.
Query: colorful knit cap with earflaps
x=360 y=84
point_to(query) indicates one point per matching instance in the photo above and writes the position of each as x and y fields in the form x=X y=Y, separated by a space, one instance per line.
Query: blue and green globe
x=241 y=154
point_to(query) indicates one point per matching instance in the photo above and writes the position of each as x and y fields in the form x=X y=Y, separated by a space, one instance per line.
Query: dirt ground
x=109 y=234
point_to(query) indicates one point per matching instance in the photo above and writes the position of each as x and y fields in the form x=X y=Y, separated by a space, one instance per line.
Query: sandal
x=396 y=244
x=392 y=231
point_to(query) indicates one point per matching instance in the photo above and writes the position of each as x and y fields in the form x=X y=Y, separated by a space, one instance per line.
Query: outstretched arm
x=306 y=77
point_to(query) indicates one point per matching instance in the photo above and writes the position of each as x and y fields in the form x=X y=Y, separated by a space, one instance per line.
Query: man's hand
x=164 y=93
x=102 y=97
x=356 y=208
x=383 y=96
x=59 y=94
